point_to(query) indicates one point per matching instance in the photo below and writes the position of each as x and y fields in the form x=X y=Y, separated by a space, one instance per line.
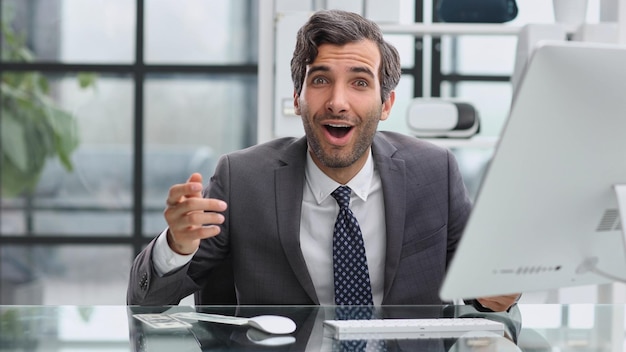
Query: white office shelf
x=473 y=142
x=440 y=29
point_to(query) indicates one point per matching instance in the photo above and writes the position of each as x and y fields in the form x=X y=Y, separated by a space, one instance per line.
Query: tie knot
x=342 y=196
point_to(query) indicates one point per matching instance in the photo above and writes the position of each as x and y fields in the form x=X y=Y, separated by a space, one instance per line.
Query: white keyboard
x=412 y=328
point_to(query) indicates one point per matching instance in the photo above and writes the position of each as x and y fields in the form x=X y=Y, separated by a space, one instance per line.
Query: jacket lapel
x=393 y=176
x=289 y=183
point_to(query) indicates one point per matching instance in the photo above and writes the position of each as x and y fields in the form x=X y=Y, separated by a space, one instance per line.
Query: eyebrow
x=355 y=69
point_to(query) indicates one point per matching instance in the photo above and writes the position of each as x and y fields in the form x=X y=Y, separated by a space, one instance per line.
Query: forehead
x=363 y=53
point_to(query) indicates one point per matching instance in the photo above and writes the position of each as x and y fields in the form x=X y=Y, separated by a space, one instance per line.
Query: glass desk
x=113 y=328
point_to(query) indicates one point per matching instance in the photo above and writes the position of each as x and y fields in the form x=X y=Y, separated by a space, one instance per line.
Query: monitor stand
x=605 y=292
x=620 y=192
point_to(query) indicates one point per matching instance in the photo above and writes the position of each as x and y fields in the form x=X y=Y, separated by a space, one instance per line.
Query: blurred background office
x=106 y=103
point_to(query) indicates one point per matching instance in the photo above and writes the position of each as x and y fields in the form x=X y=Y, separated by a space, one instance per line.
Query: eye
x=361 y=83
x=319 y=80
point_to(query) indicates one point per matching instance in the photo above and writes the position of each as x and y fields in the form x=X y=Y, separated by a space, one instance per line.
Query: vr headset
x=439 y=118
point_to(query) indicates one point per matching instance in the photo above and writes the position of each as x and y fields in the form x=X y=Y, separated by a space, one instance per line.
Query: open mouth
x=338 y=131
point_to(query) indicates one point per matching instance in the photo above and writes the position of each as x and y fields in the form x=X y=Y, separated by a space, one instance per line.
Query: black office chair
x=483 y=11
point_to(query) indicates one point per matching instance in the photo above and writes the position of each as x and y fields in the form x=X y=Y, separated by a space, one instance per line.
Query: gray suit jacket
x=426 y=208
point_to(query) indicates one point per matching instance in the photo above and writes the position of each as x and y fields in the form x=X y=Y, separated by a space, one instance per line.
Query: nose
x=338 y=100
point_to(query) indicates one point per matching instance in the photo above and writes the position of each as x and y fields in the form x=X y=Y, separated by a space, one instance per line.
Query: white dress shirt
x=319 y=212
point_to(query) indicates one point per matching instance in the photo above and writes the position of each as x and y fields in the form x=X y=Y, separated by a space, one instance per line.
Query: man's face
x=340 y=105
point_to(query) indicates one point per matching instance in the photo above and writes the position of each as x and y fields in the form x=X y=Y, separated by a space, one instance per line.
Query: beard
x=336 y=157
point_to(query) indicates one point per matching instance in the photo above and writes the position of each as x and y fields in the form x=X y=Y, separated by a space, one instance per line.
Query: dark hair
x=340 y=27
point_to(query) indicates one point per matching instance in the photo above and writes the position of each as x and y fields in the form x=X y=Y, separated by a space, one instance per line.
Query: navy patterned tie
x=352 y=278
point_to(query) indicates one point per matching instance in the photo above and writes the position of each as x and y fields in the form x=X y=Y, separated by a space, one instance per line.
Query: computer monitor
x=547 y=214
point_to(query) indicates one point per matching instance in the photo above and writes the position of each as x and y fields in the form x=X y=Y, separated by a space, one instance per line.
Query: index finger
x=184 y=190
x=196 y=185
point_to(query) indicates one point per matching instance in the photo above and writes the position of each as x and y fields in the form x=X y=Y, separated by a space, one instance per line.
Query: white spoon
x=272 y=324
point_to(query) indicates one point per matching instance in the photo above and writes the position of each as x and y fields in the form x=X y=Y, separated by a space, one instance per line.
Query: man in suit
x=269 y=209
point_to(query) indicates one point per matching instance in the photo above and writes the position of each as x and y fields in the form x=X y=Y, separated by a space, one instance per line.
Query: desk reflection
x=113 y=329
x=310 y=334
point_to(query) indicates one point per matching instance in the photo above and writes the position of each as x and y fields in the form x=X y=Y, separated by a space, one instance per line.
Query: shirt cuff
x=164 y=258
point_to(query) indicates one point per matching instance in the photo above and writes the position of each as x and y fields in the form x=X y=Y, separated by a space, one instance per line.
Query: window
x=146 y=92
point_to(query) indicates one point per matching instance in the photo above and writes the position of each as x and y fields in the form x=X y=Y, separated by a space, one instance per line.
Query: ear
x=296 y=102
x=387 y=105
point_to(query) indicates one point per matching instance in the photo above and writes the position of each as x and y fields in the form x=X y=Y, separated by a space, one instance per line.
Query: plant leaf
x=86 y=79
x=65 y=133
x=13 y=140
x=15 y=182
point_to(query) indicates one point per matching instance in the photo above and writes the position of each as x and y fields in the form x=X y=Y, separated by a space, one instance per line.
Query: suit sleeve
x=459 y=206
x=146 y=288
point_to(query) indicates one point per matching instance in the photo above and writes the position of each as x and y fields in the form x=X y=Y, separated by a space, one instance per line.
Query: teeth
x=338 y=126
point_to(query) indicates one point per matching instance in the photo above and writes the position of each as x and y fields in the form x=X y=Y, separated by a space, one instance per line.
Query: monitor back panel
x=546 y=205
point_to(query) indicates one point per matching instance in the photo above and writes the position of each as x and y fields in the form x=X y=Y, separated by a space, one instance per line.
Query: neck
x=342 y=175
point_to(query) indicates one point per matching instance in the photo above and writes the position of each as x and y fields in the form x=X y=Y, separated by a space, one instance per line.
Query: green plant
x=33 y=128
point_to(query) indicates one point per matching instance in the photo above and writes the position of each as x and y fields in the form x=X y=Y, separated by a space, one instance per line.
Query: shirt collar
x=322 y=186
